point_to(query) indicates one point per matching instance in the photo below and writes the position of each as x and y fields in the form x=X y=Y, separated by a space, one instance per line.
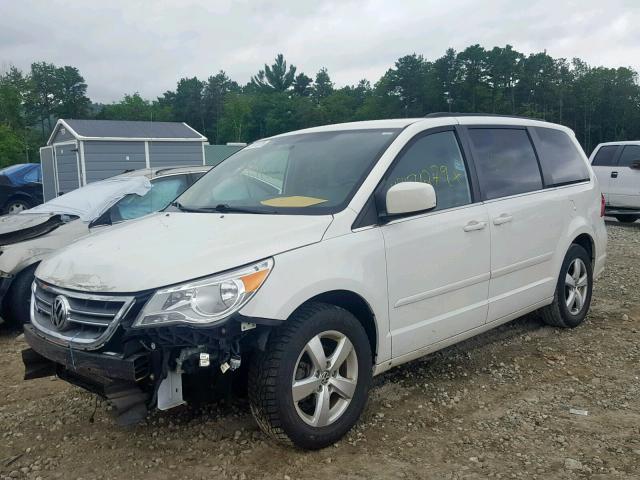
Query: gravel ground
x=496 y=406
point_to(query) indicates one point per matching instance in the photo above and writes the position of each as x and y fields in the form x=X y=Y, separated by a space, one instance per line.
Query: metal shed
x=84 y=151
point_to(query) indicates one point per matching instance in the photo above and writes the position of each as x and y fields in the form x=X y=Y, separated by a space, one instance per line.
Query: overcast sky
x=124 y=46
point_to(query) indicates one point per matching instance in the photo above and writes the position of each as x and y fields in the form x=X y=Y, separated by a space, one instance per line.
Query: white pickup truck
x=617 y=166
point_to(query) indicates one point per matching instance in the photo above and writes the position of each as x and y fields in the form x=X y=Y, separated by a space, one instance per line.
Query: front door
x=437 y=262
x=625 y=187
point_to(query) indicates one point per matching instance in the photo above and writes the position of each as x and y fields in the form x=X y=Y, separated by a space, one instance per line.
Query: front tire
x=18 y=299
x=310 y=385
x=572 y=297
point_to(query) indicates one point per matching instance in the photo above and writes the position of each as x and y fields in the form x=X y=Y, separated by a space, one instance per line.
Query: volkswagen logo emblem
x=60 y=312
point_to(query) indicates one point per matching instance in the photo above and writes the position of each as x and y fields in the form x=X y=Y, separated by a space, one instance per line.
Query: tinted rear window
x=560 y=160
x=505 y=161
x=605 y=156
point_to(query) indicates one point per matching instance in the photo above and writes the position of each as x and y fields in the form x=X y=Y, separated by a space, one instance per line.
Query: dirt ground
x=497 y=406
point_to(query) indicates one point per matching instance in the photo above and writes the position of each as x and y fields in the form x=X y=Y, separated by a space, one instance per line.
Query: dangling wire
x=95 y=409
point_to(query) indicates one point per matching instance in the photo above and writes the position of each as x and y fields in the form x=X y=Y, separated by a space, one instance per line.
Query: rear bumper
x=99 y=368
x=612 y=211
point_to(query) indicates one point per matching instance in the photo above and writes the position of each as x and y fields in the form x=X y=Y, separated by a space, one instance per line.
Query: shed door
x=49 y=184
x=67 y=167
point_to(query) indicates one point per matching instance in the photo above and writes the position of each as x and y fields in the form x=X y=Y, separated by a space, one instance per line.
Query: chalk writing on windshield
x=436 y=175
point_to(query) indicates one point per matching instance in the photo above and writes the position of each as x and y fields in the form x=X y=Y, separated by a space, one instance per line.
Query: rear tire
x=627 y=218
x=572 y=297
x=17 y=301
x=310 y=385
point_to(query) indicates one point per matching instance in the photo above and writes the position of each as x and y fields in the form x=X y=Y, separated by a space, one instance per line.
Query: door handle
x=614 y=174
x=504 y=218
x=474 y=225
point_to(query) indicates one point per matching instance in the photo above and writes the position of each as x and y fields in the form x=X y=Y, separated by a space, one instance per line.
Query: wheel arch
x=19 y=196
x=357 y=306
x=586 y=241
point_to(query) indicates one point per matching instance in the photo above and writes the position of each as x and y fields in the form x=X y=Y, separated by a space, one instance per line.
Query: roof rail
x=458 y=114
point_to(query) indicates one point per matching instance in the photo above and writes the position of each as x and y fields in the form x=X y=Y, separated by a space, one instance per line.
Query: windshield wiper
x=226 y=208
x=222 y=208
x=182 y=208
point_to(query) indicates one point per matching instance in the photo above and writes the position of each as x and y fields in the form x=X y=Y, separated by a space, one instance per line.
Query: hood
x=18 y=228
x=167 y=248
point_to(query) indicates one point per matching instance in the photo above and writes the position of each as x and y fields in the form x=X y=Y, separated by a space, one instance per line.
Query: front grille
x=91 y=318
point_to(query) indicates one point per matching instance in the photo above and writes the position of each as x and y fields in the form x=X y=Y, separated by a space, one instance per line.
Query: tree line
x=598 y=103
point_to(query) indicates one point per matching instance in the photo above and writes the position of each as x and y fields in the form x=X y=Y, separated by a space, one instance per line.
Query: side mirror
x=410 y=197
x=635 y=165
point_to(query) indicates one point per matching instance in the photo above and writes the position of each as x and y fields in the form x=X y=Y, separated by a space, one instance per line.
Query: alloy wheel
x=325 y=378
x=576 y=284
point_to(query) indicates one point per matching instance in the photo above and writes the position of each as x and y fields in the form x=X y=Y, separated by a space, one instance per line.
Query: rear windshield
x=308 y=173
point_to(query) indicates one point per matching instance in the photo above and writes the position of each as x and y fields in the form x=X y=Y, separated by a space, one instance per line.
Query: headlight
x=204 y=301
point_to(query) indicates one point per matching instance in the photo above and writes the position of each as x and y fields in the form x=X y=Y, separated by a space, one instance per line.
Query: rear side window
x=32 y=176
x=630 y=154
x=434 y=159
x=560 y=160
x=505 y=161
x=605 y=156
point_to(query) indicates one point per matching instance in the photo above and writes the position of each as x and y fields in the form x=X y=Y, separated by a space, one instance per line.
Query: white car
x=31 y=235
x=617 y=166
x=321 y=257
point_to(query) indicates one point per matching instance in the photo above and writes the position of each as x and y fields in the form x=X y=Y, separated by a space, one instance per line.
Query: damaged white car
x=28 y=237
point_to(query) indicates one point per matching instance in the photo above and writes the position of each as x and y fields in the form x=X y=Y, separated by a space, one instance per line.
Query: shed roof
x=127 y=130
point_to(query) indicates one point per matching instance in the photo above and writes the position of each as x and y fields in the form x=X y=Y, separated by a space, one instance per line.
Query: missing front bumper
x=112 y=377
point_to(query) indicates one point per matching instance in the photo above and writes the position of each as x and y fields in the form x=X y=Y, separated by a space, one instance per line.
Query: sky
x=127 y=46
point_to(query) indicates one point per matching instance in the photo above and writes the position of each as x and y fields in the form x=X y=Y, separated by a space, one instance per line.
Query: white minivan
x=617 y=166
x=316 y=259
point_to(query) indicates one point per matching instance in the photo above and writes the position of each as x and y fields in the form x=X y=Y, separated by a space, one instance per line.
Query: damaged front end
x=22 y=227
x=89 y=340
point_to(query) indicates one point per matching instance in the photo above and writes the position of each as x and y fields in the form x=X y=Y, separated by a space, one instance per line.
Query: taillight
x=602 y=204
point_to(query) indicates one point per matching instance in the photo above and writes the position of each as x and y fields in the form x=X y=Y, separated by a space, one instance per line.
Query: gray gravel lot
x=497 y=406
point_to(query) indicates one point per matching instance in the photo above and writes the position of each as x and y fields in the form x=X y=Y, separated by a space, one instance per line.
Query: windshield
x=163 y=190
x=307 y=173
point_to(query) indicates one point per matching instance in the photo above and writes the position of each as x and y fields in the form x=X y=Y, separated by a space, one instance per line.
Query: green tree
x=134 y=107
x=44 y=96
x=275 y=77
x=472 y=62
x=216 y=90
x=302 y=85
x=72 y=99
x=323 y=86
x=13 y=90
x=187 y=103
x=234 y=122
x=11 y=147
x=409 y=82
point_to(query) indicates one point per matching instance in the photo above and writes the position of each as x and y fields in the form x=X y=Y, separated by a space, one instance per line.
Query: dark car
x=20 y=187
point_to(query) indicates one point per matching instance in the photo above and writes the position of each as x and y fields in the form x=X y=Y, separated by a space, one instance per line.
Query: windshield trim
x=316 y=210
